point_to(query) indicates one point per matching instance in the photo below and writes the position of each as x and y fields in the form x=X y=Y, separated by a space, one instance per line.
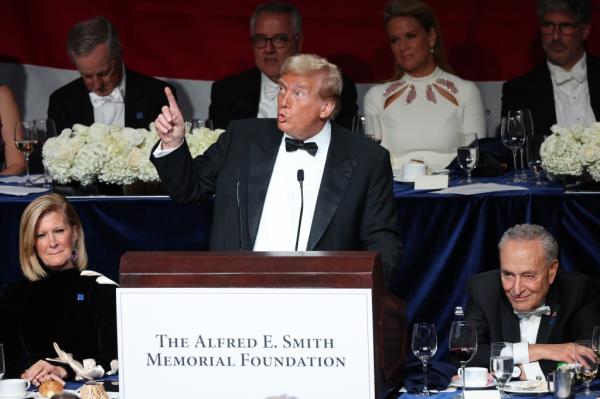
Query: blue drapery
x=446 y=239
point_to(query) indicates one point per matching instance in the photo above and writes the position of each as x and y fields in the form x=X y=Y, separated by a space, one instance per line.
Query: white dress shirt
x=528 y=327
x=572 y=94
x=267 y=106
x=110 y=109
x=279 y=220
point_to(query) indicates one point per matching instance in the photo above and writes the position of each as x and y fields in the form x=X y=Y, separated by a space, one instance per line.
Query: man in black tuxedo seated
x=530 y=302
x=107 y=91
x=566 y=88
x=276 y=34
x=268 y=174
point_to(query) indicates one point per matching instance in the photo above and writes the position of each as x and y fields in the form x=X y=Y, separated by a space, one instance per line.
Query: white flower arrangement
x=572 y=150
x=111 y=154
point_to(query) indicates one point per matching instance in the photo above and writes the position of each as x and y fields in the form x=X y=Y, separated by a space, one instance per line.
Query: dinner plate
x=399 y=179
x=527 y=387
x=458 y=384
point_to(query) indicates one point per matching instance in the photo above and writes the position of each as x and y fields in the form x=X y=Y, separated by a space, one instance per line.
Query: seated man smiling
x=533 y=304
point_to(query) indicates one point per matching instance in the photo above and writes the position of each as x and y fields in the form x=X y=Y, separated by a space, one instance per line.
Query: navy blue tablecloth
x=446 y=238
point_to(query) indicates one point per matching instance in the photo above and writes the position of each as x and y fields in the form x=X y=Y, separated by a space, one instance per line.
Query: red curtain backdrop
x=485 y=39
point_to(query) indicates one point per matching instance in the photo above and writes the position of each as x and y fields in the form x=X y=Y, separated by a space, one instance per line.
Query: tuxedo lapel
x=263 y=153
x=254 y=94
x=135 y=100
x=593 y=70
x=511 y=332
x=336 y=175
x=543 y=104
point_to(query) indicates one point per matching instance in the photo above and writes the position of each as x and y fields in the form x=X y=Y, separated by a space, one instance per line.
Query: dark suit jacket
x=355 y=207
x=574 y=300
x=144 y=98
x=534 y=91
x=237 y=97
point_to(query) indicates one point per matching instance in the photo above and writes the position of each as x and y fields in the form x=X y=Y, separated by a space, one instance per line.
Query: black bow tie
x=293 y=145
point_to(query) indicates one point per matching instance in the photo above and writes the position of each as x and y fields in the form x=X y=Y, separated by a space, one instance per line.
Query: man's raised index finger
x=171 y=98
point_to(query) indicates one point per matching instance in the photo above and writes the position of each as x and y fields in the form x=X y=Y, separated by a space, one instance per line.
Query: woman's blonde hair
x=31 y=264
x=426 y=18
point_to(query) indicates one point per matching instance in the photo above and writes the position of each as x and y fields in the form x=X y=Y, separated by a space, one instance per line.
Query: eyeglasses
x=277 y=41
x=565 y=28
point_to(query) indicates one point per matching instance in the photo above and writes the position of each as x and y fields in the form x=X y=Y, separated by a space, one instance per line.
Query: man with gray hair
x=297 y=182
x=107 y=91
x=275 y=35
x=566 y=88
x=530 y=302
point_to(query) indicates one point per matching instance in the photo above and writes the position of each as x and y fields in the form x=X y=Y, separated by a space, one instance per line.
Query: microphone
x=237 y=194
x=300 y=177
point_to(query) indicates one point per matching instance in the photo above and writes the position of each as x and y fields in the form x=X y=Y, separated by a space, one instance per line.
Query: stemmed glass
x=468 y=154
x=198 y=123
x=424 y=346
x=525 y=115
x=589 y=367
x=45 y=129
x=462 y=345
x=368 y=126
x=512 y=131
x=534 y=160
x=2 y=370
x=501 y=364
x=25 y=139
x=596 y=341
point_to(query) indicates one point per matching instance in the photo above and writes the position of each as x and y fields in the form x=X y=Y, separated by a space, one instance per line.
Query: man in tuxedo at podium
x=107 y=91
x=298 y=182
x=275 y=34
x=530 y=302
x=566 y=88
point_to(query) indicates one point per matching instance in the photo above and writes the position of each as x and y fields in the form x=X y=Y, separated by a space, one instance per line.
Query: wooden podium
x=285 y=270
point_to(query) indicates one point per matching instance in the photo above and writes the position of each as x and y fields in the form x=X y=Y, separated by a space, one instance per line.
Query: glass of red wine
x=463 y=345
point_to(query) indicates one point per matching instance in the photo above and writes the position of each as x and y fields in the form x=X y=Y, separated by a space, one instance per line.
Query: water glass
x=501 y=364
x=45 y=129
x=587 y=369
x=424 y=347
x=467 y=154
x=512 y=132
x=369 y=126
x=26 y=138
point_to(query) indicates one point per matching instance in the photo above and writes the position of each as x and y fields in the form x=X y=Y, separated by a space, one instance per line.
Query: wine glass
x=424 y=346
x=462 y=345
x=534 y=160
x=589 y=367
x=2 y=370
x=525 y=115
x=25 y=139
x=512 y=131
x=468 y=154
x=501 y=364
x=45 y=129
x=368 y=126
x=596 y=341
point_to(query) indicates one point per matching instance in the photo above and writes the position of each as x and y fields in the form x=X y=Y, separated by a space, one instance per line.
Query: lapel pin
x=139 y=115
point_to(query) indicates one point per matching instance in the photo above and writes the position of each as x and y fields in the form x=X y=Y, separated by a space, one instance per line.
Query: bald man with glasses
x=566 y=88
x=275 y=35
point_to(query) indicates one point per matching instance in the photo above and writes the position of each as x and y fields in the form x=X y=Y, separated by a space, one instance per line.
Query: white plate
x=526 y=387
x=458 y=384
x=401 y=180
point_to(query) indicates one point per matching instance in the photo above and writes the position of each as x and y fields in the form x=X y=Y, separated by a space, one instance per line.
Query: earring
x=432 y=50
x=74 y=255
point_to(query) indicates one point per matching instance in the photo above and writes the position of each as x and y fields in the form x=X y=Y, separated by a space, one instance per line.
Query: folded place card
x=431 y=182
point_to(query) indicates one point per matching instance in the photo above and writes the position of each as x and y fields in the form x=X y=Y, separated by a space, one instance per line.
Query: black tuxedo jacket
x=144 y=98
x=237 y=97
x=534 y=91
x=355 y=207
x=574 y=301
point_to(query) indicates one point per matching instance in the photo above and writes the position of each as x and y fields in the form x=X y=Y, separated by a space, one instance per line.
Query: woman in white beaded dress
x=424 y=108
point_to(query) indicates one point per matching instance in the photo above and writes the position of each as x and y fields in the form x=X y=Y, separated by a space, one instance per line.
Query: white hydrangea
x=111 y=154
x=572 y=150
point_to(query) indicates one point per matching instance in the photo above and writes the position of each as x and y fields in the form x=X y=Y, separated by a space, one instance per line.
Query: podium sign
x=246 y=342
